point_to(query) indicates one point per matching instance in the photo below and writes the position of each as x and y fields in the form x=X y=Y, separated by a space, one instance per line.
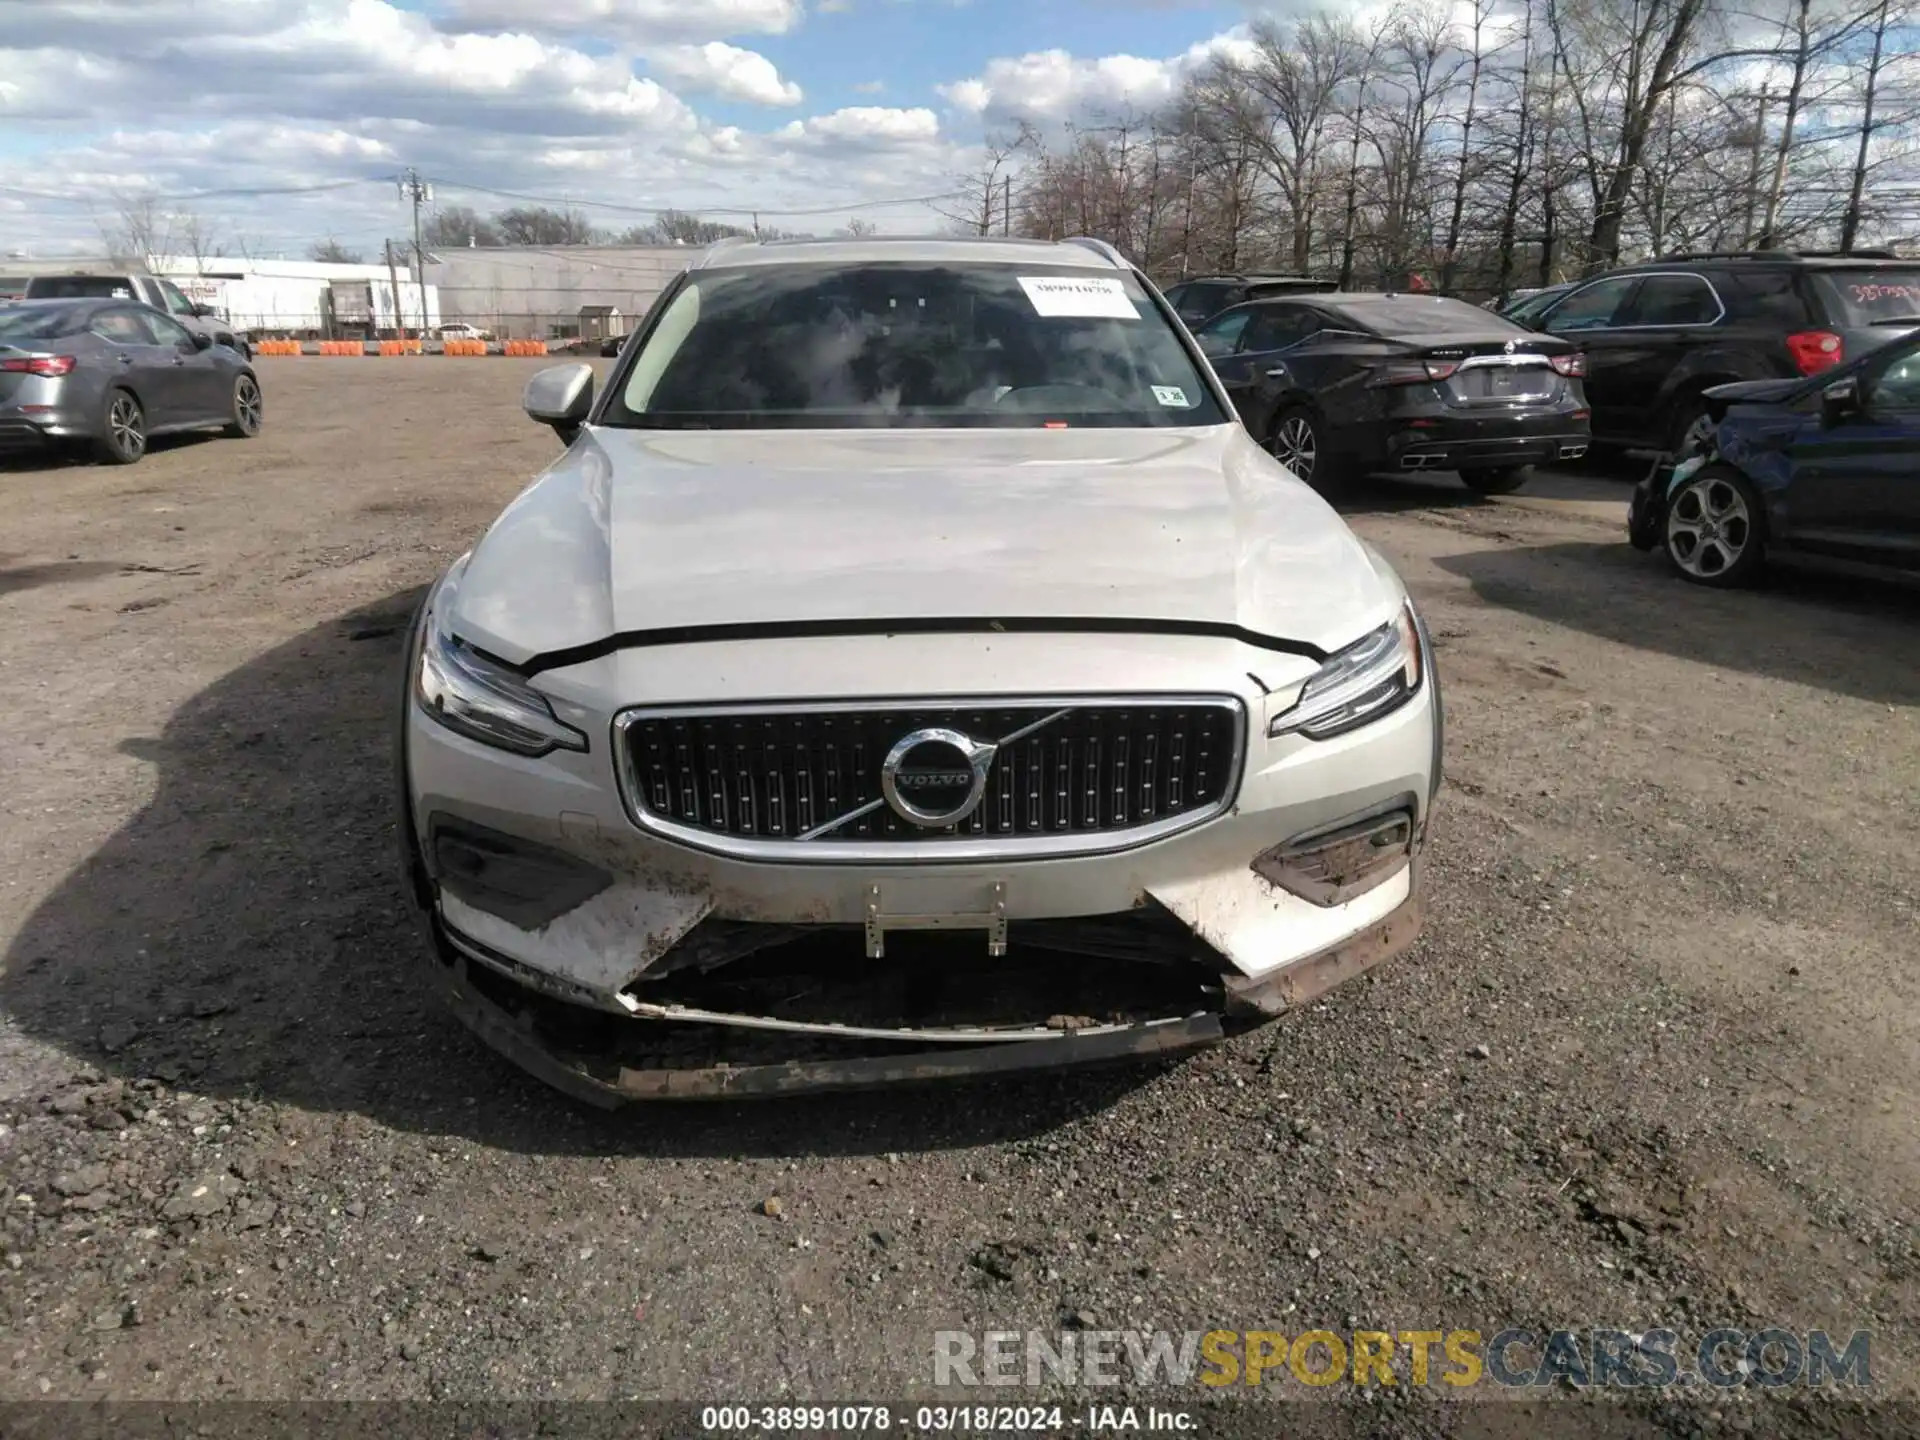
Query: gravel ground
x=1654 y=1063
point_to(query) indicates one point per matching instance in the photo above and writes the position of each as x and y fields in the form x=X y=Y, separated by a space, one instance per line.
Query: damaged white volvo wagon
x=910 y=669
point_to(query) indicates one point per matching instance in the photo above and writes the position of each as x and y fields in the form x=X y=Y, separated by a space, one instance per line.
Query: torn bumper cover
x=620 y=965
x=743 y=1009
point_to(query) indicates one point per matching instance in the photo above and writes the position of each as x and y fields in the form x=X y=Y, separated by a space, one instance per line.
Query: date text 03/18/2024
x=850 y=1419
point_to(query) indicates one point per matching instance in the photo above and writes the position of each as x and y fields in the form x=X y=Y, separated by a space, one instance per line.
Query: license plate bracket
x=993 y=920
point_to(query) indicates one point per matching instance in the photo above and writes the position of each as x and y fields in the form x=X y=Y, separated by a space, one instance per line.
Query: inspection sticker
x=1171 y=395
x=1064 y=297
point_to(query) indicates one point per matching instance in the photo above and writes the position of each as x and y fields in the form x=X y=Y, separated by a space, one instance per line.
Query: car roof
x=868 y=249
x=1808 y=260
x=1257 y=278
x=75 y=302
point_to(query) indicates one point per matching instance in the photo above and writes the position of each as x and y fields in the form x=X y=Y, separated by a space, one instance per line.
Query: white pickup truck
x=149 y=289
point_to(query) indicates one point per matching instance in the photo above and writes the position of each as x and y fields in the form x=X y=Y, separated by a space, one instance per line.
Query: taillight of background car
x=1572 y=366
x=1413 y=372
x=51 y=366
x=1815 y=350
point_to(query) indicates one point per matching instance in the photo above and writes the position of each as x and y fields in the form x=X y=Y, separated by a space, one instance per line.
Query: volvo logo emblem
x=935 y=777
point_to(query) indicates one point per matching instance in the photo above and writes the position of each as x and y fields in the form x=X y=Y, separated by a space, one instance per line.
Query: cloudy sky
x=781 y=105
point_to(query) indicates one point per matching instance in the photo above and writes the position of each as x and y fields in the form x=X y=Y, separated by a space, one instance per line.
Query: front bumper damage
x=617 y=968
x=500 y=1001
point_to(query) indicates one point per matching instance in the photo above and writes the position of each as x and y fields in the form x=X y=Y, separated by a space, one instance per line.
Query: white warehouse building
x=541 y=292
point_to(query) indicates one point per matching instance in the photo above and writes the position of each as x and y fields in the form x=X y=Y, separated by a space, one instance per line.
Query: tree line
x=460 y=226
x=1492 y=145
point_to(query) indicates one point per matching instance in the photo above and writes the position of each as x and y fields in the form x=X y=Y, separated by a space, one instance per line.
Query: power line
x=694 y=209
x=234 y=192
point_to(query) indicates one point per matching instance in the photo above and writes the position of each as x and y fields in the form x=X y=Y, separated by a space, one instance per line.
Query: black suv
x=1198 y=300
x=1660 y=334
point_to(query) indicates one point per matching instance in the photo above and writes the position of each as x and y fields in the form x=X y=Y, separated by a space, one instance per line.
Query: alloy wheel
x=246 y=404
x=1708 y=527
x=1294 y=446
x=124 y=425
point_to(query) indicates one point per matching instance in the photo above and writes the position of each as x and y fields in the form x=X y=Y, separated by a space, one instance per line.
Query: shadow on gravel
x=1802 y=626
x=33 y=461
x=1384 y=495
x=243 y=935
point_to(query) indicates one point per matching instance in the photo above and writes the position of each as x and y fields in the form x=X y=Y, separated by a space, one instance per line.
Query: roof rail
x=1100 y=248
x=725 y=242
x=1777 y=255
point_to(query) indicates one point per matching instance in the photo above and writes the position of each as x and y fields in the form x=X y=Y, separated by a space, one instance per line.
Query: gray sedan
x=108 y=375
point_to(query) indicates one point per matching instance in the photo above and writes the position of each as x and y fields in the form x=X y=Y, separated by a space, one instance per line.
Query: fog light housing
x=525 y=883
x=1334 y=864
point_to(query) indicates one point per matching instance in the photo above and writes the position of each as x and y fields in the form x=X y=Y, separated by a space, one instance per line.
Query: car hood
x=638 y=535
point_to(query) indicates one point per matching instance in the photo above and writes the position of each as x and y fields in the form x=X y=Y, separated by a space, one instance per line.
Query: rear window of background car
x=1424 y=315
x=1867 y=296
x=1764 y=297
x=1676 y=299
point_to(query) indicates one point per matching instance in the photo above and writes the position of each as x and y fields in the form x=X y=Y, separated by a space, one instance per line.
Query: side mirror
x=201 y=340
x=204 y=312
x=1839 y=400
x=560 y=396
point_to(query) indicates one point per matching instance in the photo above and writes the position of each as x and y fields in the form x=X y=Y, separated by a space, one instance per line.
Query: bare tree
x=1464 y=174
x=330 y=251
x=980 y=204
x=1572 y=135
x=198 y=238
x=1876 y=120
x=140 y=228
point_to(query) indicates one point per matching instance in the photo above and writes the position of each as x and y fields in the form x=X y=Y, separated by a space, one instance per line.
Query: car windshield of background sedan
x=919 y=345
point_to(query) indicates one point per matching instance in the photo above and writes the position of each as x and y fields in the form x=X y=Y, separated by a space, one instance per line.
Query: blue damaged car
x=1825 y=467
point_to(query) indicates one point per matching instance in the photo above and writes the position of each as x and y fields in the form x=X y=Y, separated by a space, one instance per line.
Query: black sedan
x=108 y=375
x=1827 y=468
x=1337 y=385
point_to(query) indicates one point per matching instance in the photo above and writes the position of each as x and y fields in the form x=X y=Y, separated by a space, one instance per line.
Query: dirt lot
x=1654 y=1064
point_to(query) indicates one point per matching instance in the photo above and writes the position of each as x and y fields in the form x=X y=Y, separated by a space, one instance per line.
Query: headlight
x=477 y=698
x=1370 y=678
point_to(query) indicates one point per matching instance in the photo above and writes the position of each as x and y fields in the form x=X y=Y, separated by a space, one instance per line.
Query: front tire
x=1715 y=530
x=1503 y=480
x=123 y=430
x=249 y=411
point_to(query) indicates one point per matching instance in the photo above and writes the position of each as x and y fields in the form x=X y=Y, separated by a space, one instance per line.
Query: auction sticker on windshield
x=1171 y=395
x=1065 y=297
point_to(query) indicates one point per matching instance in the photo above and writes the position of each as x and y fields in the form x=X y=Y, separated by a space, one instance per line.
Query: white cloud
x=727 y=71
x=866 y=125
x=332 y=59
x=642 y=21
x=1052 y=85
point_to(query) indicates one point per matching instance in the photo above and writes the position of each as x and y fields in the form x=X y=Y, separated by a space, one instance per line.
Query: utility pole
x=1747 y=237
x=1006 y=204
x=413 y=188
x=393 y=279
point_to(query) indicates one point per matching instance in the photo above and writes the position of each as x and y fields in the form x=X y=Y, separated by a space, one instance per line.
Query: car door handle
x=1278 y=372
x=125 y=359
